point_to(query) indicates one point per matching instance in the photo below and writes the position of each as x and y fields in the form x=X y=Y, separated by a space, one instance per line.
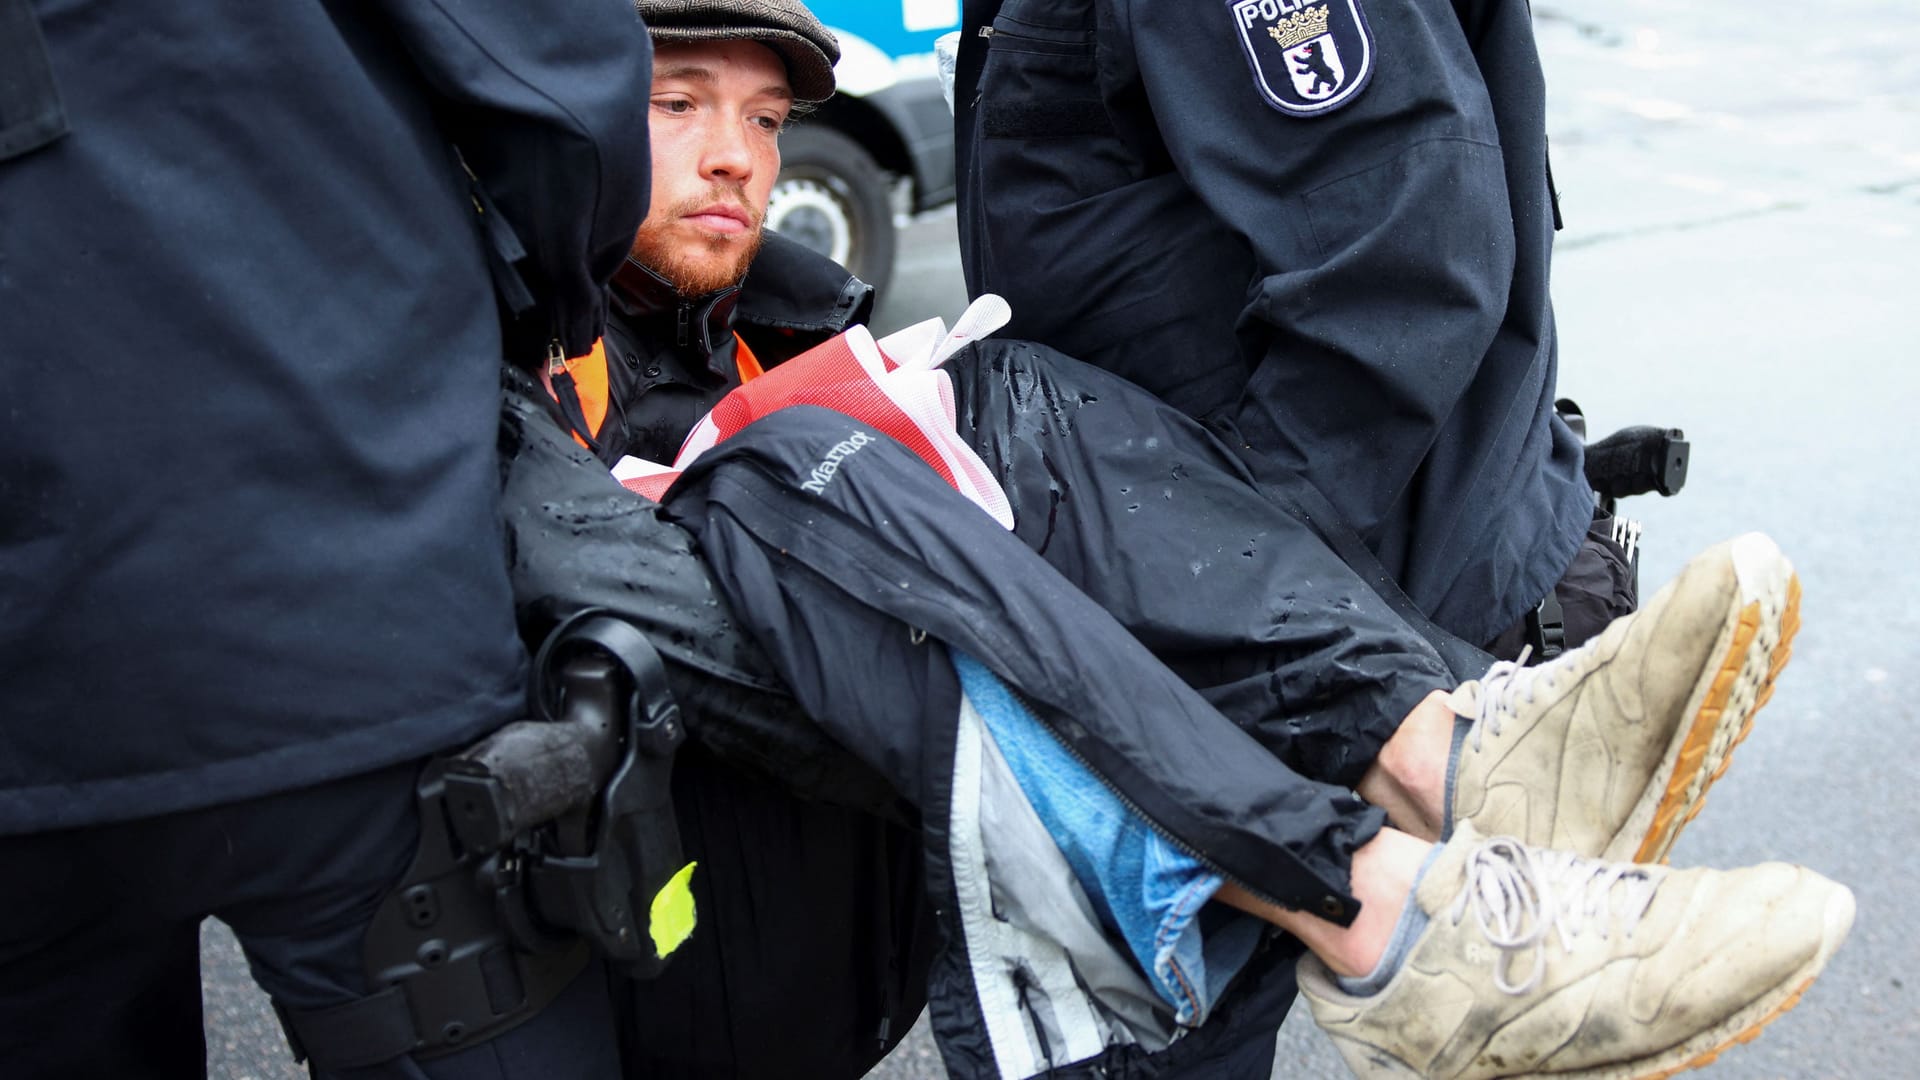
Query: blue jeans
x=1147 y=890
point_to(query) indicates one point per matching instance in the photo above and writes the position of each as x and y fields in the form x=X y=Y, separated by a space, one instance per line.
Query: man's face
x=717 y=110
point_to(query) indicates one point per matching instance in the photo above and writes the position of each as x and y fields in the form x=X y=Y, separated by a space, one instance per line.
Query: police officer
x=1321 y=226
x=251 y=566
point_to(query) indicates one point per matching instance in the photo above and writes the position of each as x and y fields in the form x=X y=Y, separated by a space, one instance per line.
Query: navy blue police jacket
x=249 y=355
x=1322 y=227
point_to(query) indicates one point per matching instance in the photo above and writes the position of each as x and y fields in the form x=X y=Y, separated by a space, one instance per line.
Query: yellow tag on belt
x=671 y=915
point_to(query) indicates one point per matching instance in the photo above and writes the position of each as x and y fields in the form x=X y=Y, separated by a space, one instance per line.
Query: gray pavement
x=1741 y=186
x=1742 y=190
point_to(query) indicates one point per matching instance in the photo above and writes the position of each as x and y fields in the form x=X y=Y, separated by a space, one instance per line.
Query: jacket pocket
x=30 y=112
x=1040 y=80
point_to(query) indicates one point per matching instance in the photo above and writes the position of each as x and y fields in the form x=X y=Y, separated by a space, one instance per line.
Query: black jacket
x=1239 y=597
x=249 y=512
x=810 y=632
x=1354 y=296
x=856 y=592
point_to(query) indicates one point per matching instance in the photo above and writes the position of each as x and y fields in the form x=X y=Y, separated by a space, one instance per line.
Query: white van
x=883 y=146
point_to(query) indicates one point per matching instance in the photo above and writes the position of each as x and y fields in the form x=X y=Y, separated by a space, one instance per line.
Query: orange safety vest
x=590 y=380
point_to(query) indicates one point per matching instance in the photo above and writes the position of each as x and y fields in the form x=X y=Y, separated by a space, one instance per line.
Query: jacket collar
x=701 y=327
x=788 y=288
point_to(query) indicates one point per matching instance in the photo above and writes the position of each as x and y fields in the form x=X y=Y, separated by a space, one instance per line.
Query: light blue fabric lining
x=1146 y=889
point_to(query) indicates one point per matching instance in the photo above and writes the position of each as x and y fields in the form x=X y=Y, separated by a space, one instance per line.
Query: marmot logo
x=822 y=474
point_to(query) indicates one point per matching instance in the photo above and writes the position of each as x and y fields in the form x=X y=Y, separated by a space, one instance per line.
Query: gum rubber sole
x=1839 y=921
x=1743 y=682
x=1384 y=1068
x=1747 y=1035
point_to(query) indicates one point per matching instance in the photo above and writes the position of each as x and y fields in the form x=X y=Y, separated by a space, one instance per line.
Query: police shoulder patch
x=1309 y=57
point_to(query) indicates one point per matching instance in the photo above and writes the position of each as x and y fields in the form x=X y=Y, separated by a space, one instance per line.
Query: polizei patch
x=1308 y=56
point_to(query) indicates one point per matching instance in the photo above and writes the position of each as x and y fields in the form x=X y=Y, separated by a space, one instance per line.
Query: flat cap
x=785 y=26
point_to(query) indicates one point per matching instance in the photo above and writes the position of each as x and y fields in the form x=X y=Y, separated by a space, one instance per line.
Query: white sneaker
x=1609 y=749
x=1544 y=963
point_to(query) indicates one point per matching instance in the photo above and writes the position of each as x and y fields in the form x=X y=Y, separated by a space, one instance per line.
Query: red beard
x=660 y=245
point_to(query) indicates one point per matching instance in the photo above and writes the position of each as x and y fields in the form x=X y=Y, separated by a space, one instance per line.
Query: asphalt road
x=1741 y=187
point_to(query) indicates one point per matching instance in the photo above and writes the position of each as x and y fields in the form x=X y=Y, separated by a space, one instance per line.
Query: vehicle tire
x=832 y=197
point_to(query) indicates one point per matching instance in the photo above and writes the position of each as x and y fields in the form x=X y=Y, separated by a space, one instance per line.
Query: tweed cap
x=785 y=26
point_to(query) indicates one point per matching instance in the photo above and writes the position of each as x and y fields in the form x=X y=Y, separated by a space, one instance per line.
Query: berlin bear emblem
x=1315 y=68
x=1308 y=56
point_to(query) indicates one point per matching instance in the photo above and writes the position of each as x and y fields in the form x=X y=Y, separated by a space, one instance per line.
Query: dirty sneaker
x=1536 y=962
x=1609 y=749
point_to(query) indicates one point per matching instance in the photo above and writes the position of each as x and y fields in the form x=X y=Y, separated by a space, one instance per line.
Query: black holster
x=546 y=843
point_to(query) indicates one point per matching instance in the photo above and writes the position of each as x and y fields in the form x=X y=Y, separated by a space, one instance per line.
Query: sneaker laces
x=1517 y=894
x=1497 y=693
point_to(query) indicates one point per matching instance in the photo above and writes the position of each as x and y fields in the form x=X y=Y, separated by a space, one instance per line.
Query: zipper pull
x=556 y=359
x=986 y=31
x=682 y=317
x=473 y=183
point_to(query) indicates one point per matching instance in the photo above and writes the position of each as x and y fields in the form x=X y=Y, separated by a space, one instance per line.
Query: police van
x=883 y=144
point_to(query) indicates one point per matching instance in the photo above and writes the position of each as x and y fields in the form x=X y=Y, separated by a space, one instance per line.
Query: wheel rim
x=805 y=209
